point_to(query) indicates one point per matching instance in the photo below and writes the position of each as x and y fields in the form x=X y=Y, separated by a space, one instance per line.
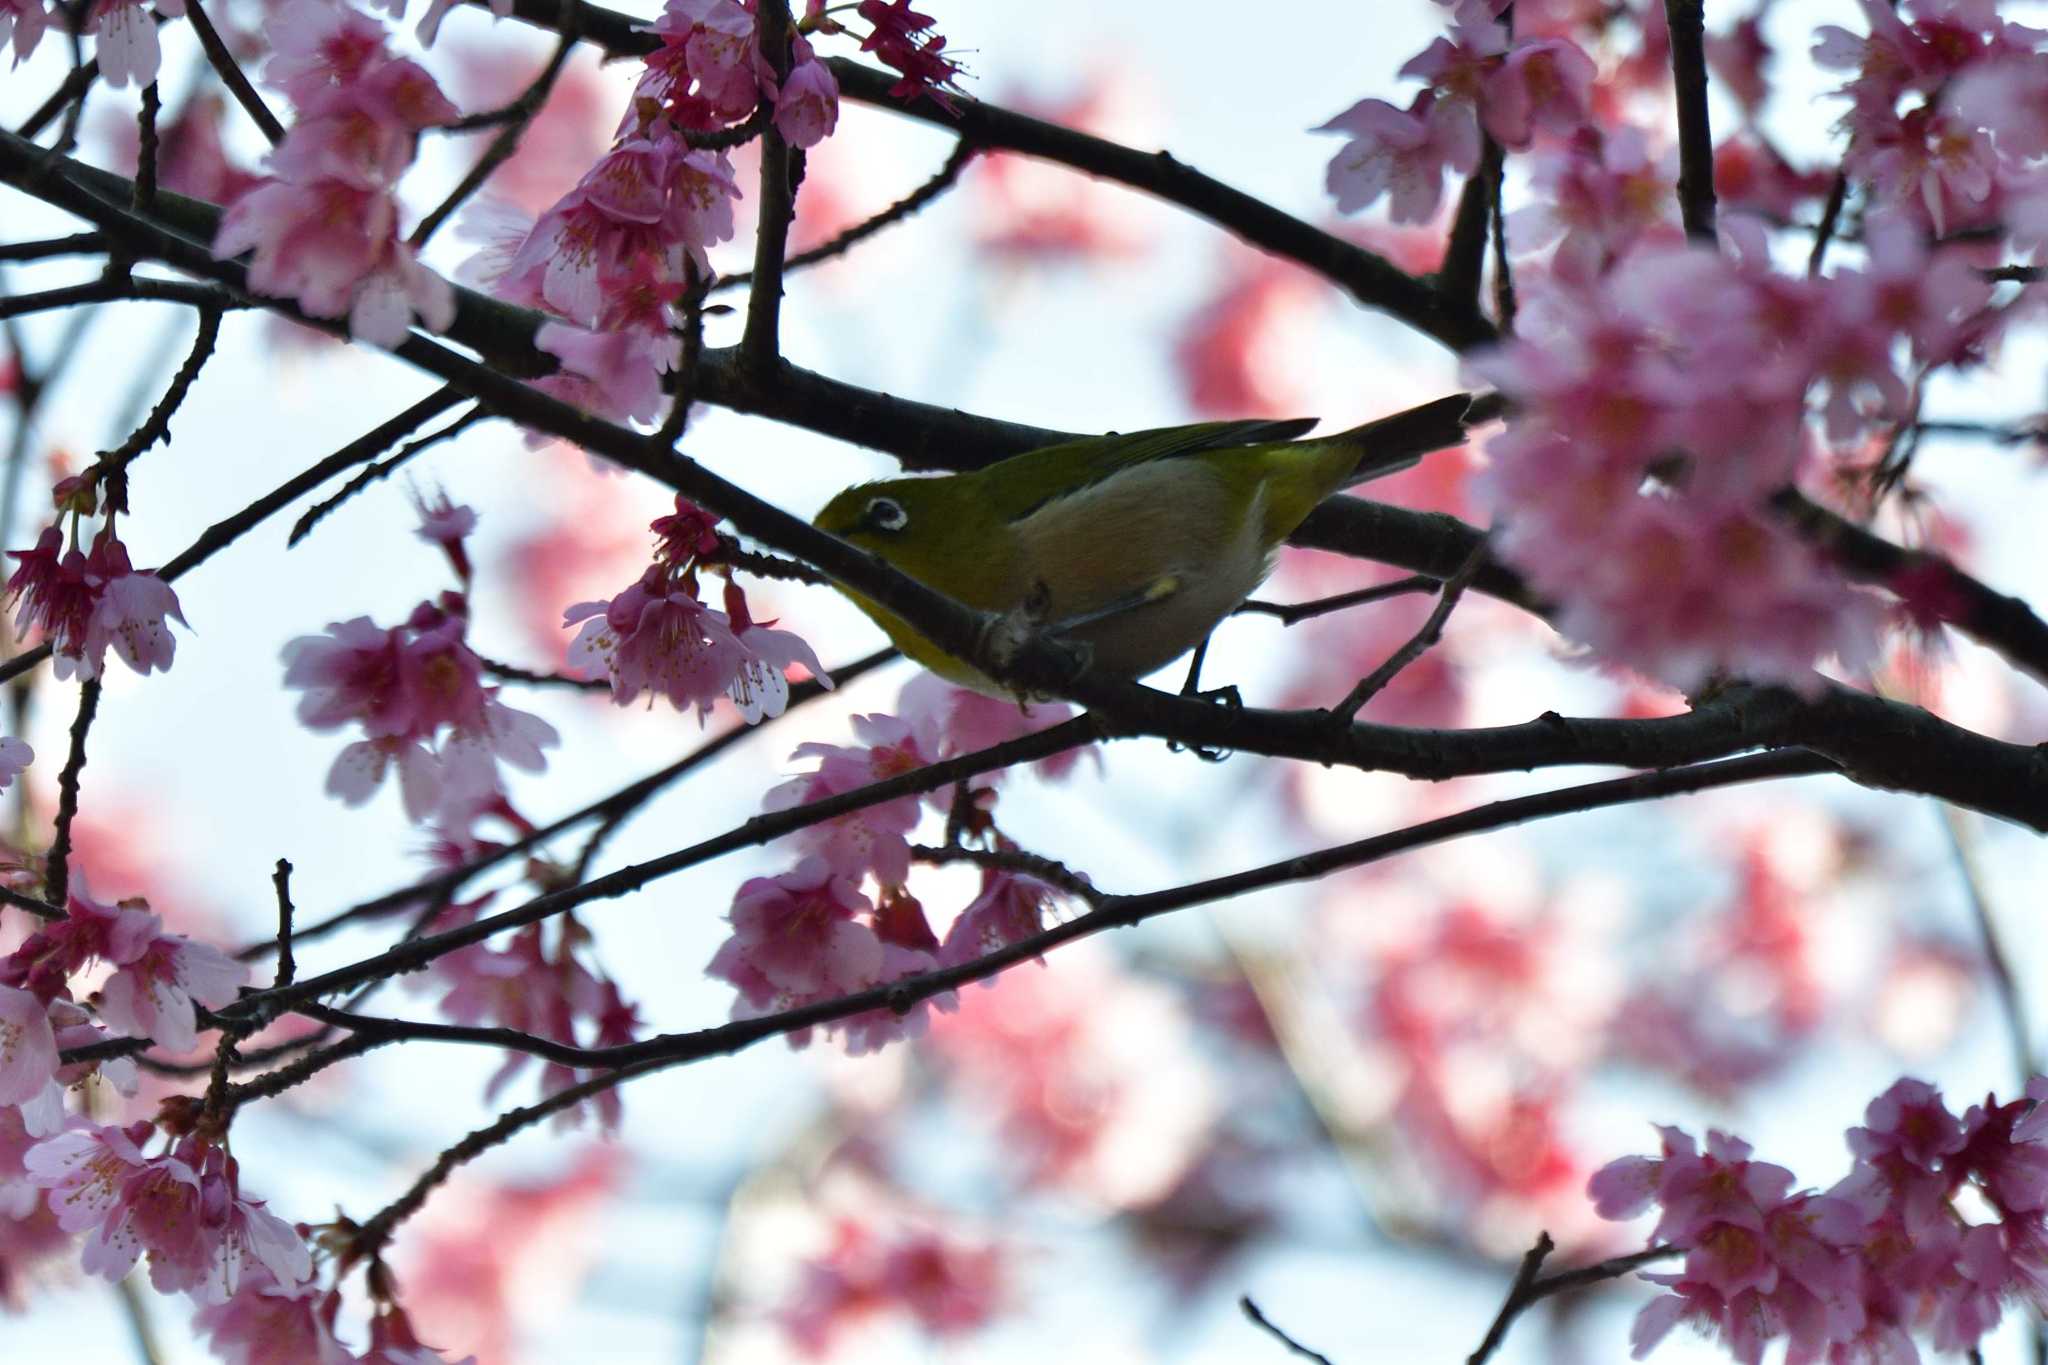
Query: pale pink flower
x=797 y=937
x=86 y=1171
x=28 y=1048
x=23 y=21
x=2010 y=98
x=127 y=46
x=1600 y=194
x=89 y=932
x=1011 y=907
x=807 y=109
x=447 y=525
x=240 y=1235
x=615 y=375
x=657 y=637
x=1908 y=1125
x=950 y=720
x=946 y=1284
x=872 y=839
x=1402 y=153
x=760 y=688
x=1543 y=83
x=394 y=1342
x=270 y=1323
x=154 y=994
x=317 y=46
x=15 y=755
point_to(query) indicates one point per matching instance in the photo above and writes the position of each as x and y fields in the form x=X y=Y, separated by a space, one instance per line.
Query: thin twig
x=77 y=244
x=380 y=469
x=947 y=175
x=1266 y=1325
x=1293 y=613
x=516 y=116
x=1465 y=252
x=137 y=287
x=112 y=466
x=146 y=149
x=57 y=871
x=1431 y=631
x=231 y=74
x=74 y=87
x=514 y=673
x=1830 y=218
x=1518 y=1299
x=287 y=965
x=1995 y=958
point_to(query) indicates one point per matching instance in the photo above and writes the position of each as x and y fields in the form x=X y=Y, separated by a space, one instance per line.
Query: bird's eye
x=886 y=514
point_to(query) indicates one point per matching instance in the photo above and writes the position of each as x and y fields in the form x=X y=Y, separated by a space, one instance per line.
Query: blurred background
x=1356 y=1102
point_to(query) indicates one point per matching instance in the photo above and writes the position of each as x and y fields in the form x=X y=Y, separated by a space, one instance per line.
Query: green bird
x=1133 y=546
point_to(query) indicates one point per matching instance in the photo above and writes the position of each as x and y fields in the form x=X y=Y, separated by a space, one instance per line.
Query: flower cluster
x=417 y=691
x=85 y=601
x=1853 y=1273
x=538 y=985
x=813 y=934
x=1479 y=77
x=658 y=636
x=1948 y=105
x=324 y=225
x=1633 y=495
x=947 y=1285
x=158 y=981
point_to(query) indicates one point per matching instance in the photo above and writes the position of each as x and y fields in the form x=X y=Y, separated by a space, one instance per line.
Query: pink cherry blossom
x=127 y=46
x=23 y=21
x=945 y=1283
x=798 y=936
x=28 y=1048
x=86 y=1170
x=657 y=637
x=87 y=602
x=910 y=42
x=270 y=1323
x=1544 y=83
x=807 y=109
x=1012 y=906
x=154 y=995
x=15 y=756
x=89 y=932
x=240 y=1235
x=1402 y=153
x=872 y=839
x=760 y=688
x=394 y=1342
x=615 y=374
x=447 y=525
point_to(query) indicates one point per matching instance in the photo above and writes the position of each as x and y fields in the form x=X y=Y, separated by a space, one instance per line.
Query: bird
x=1131 y=547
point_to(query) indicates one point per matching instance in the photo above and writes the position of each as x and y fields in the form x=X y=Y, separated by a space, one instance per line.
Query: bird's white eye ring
x=886 y=514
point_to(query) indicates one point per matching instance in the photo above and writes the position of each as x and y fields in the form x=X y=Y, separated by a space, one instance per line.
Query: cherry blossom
x=268 y=1322
x=87 y=602
x=873 y=838
x=28 y=1048
x=23 y=22
x=910 y=42
x=155 y=994
x=945 y=1283
x=657 y=637
x=127 y=46
x=324 y=227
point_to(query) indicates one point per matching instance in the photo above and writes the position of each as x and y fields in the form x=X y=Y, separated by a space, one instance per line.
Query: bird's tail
x=1388 y=445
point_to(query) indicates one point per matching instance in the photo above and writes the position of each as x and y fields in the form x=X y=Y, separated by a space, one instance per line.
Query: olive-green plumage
x=1134 y=545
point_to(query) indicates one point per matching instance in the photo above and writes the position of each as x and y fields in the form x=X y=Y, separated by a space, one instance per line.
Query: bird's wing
x=1029 y=481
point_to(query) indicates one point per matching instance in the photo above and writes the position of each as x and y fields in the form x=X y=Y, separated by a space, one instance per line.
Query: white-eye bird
x=1134 y=546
